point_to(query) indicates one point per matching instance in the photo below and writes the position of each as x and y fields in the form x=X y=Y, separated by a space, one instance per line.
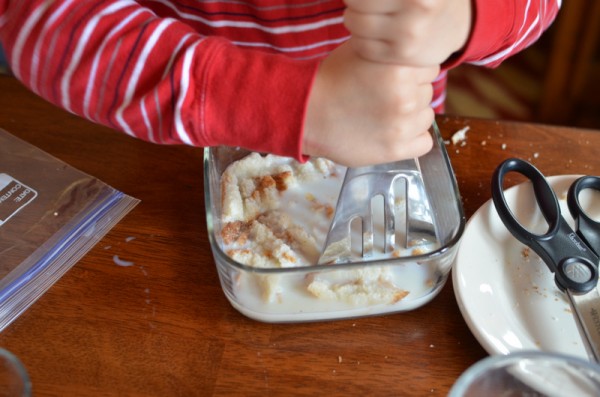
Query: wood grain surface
x=163 y=327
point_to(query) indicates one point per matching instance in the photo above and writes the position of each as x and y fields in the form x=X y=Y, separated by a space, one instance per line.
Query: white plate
x=505 y=292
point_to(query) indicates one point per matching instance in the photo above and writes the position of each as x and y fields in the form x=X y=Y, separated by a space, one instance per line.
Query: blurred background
x=555 y=81
x=3 y=65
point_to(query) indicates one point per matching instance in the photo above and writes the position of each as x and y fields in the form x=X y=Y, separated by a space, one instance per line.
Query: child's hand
x=408 y=32
x=361 y=112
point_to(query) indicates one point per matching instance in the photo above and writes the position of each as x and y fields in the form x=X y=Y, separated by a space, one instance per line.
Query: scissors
x=573 y=256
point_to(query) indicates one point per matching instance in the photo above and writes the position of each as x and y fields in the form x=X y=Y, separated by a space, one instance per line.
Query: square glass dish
x=277 y=279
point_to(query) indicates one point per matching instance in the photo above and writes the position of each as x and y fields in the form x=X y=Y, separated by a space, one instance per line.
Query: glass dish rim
x=476 y=370
x=432 y=255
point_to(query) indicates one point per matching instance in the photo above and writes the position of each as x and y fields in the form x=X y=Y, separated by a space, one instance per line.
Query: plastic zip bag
x=51 y=214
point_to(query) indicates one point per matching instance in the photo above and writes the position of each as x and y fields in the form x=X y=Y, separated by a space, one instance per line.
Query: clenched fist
x=408 y=32
x=361 y=112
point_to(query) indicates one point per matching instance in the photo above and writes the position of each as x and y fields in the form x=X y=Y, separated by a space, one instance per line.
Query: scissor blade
x=587 y=316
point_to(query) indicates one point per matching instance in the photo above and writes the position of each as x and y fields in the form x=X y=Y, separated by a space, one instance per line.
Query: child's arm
x=361 y=112
x=408 y=32
x=432 y=32
x=117 y=63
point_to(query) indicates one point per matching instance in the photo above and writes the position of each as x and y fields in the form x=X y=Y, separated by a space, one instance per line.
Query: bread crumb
x=419 y=251
x=371 y=285
x=460 y=135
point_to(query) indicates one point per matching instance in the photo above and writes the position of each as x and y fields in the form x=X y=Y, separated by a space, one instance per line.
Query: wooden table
x=163 y=327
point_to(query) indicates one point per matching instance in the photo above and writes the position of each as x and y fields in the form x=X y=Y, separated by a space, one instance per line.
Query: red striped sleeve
x=211 y=72
x=502 y=28
x=157 y=78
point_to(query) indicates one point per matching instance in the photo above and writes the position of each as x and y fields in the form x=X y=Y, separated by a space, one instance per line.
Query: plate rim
x=474 y=325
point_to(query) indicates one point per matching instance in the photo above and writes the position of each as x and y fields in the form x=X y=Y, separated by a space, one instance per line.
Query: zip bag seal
x=51 y=215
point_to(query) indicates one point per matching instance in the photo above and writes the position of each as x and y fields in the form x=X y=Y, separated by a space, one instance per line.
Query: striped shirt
x=211 y=72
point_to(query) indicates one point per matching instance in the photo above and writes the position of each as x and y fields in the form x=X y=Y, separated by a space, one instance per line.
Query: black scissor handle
x=587 y=228
x=544 y=195
x=561 y=249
